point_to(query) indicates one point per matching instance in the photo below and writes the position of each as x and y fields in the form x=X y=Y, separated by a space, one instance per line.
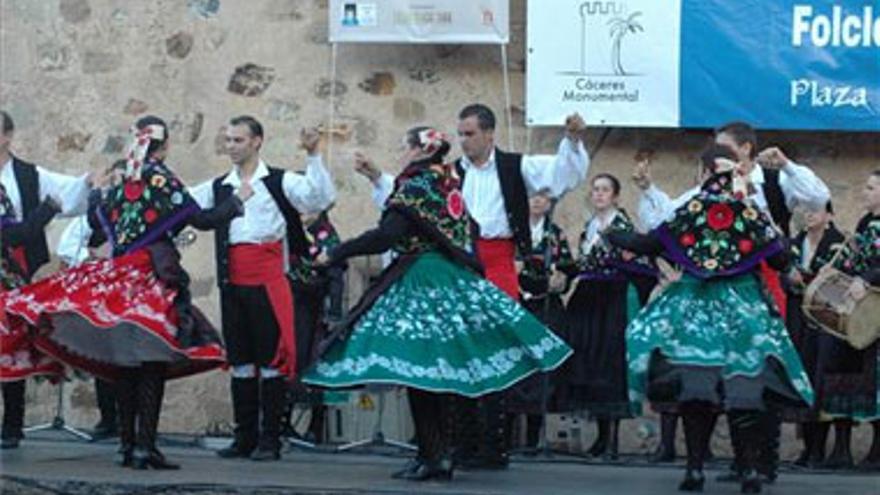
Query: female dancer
x=431 y=323
x=611 y=287
x=710 y=340
x=129 y=319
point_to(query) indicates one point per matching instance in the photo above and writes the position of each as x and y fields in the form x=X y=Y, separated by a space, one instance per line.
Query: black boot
x=603 y=427
x=495 y=455
x=871 y=462
x=841 y=457
x=666 y=448
x=246 y=413
x=752 y=430
x=272 y=398
x=611 y=453
x=533 y=431
x=697 y=418
x=820 y=438
x=735 y=472
x=468 y=429
x=429 y=416
x=106 y=398
x=768 y=455
x=151 y=390
x=126 y=394
x=808 y=433
x=13 y=414
x=317 y=422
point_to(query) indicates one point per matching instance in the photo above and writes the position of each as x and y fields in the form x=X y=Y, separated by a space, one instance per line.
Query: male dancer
x=27 y=186
x=256 y=299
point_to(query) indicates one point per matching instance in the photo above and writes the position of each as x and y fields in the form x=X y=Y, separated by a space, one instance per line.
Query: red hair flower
x=719 y=216
x=455 y=204
x=746 y=246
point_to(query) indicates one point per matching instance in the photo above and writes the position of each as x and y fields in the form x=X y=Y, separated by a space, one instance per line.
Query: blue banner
x=781 y=64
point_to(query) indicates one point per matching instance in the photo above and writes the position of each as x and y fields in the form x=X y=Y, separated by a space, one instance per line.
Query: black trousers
x=13 y=409
x=250 y=329
x=433 y=420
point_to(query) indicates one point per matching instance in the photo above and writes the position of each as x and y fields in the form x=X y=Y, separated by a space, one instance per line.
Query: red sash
x=773 y=283
x=263 y=264
x=497 y=257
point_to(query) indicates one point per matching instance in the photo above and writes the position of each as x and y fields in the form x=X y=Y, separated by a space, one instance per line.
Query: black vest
x=296 y=238
x=28 y=180
x=514 y=194
x=776 y=200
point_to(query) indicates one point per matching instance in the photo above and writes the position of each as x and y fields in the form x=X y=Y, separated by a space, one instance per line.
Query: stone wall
x=75 y=74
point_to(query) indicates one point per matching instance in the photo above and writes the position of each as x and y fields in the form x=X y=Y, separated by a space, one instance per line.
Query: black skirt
x=526 y=397
x=595 y=377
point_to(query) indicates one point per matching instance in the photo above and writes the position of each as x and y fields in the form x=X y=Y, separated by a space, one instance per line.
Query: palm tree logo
x=619 y=28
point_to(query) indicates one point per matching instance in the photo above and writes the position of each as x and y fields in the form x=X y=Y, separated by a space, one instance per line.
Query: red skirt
x=109 y=314
x=19 y=358
x=497 y=257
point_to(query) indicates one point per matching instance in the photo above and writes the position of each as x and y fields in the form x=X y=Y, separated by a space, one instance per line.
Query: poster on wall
x=781 y=64
x=419 y=21
x=615 y=62
x=777 y=64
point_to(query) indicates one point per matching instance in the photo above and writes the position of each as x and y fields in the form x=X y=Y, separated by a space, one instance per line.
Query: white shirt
x=382 y=189
x=482 y=190
x=594 y=229
x=537 y=232
x=73 y=246
x=799 y=185
x=72 y=192
x=262 y=220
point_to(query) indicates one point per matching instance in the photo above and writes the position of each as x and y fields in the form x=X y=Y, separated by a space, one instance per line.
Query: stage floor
x=50 y=463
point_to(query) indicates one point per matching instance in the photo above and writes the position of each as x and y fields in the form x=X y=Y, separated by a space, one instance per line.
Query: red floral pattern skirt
x=19 y=358
x=109 y=314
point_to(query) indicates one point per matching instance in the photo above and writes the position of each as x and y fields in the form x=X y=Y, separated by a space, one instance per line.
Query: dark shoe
x=236 y=450
x=263 y=454
x=693 y=481
x=751 y=483
x=126 y=456
x=9 y=443
x=153 y=459
x=429 y=471
x=410 y=467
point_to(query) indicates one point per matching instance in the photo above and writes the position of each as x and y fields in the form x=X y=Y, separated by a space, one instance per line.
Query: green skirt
x=440 y=328
x=713 y=340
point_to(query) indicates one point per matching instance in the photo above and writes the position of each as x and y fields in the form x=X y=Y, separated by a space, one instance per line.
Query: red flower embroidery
x=687 y=239
x=114 y=215
x=719 y=216
x=455 y=204
x=745 y=246
x=150 y=215
x=133 y=190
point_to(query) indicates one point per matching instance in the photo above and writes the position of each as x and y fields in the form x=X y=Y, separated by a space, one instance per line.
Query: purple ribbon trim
x=162 y=228
x=675 y=254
